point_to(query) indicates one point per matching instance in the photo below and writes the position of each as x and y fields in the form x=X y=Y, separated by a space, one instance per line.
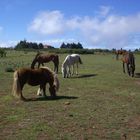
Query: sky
x=104 y=24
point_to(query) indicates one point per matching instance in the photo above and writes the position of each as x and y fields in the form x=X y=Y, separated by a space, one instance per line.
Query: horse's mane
x=43 y=67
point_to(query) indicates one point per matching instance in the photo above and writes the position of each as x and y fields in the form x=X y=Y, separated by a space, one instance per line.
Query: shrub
x=2 y=53
x=9 y=69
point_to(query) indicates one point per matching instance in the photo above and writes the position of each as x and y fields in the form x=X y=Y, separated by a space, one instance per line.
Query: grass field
x=101 y=103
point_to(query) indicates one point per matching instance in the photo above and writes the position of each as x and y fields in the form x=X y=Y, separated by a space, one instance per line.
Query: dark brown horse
x=35 y=77
x=119 y=52
x=45 y=58
x=129 y=60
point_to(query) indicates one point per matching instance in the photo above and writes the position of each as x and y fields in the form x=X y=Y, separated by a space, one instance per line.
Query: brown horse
x=129 y=60
x=45 y=58
x=119 y=52
x=35 y=77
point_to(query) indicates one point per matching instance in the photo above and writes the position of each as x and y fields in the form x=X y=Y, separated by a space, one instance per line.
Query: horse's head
x=33 y=64
x=64 y=71
x=52 y=90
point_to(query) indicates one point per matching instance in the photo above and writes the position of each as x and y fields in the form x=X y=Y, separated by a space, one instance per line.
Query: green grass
x=103 y=103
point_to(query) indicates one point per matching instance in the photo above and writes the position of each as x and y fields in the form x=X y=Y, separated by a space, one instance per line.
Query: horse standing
x=129 y=60
x=69 y=61
x=35 y=77
x=45 y=58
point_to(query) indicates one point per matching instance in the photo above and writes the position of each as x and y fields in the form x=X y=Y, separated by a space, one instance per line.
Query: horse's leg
x=55 y=68
x=69 y=72
x=123 y=67
x=73 y=69
x=133 y=70
x=21 y=95
x=39 y=93
x=38 y=64
x=77 y=68
x=128 y=70
x=44 y=90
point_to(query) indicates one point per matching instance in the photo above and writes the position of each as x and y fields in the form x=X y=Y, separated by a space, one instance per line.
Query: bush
x=2 y=53
x=9 y=69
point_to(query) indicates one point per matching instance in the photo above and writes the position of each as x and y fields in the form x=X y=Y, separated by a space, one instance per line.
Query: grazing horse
x=69 y=61
x=45 y=58
x=35 y=77
x=119 y=52
x=129 y=59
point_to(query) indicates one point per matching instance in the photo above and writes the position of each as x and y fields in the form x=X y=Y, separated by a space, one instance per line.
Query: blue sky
x=95 y=23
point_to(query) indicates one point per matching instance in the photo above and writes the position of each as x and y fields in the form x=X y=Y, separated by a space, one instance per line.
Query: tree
x=40 y=46
x=71 y=46
x=28 y=45
x=63 y=45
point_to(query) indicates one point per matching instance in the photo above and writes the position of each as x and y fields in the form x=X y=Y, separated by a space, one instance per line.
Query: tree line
x=71 y=46
x=28 y=45
x=64 y=48
x=32 y=45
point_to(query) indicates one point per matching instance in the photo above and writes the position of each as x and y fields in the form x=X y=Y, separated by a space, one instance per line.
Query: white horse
x=69 y=61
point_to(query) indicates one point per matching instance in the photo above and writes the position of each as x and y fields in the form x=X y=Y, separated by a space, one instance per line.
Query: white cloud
x=48 y=23
x=112 y=31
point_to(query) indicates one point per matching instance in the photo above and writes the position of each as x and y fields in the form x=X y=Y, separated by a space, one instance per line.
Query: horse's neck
x=33 y=63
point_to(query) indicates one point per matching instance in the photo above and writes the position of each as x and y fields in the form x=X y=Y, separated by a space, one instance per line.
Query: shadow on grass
x=82 y=76
x=87 y=75
x=137 y=75
x=50 y=98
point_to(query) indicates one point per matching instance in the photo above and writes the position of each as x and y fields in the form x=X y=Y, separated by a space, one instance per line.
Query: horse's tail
x=16 y=85
x=80 y=61
x=56 y=82
x=57 y=59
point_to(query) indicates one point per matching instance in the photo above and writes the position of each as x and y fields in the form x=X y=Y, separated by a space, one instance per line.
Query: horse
x=120 y=52
x=45 y=58
x=69 y=61
x=129 y=59
x=35 y=77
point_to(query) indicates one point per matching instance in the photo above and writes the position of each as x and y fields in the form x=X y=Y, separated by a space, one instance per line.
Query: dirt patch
x=134 y=123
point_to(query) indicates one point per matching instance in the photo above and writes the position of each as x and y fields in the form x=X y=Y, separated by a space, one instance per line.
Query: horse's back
x=75 y=55
x=75 y=58
x=34 y=76
x=46 y=57
x=71 y=59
